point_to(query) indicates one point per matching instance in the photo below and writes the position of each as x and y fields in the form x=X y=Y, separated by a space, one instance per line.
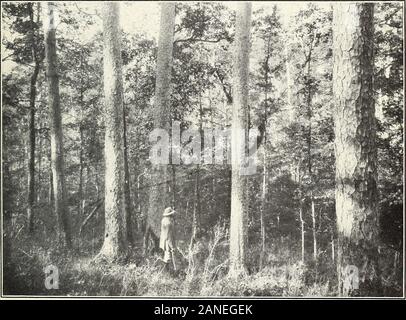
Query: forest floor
x=204 y=275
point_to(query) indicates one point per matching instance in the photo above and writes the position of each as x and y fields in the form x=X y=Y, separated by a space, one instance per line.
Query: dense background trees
x=291 y=244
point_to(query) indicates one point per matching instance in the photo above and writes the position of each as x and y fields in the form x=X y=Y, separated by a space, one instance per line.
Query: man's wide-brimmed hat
x=168 y=212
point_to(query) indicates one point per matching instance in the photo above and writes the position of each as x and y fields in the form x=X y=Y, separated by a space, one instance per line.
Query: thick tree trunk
x=57 y=157
x=114 y=246
x=160 y=176
x=238 y=221
x=356 y=157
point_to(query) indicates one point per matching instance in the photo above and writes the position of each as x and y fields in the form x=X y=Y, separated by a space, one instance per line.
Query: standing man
x=167 y=239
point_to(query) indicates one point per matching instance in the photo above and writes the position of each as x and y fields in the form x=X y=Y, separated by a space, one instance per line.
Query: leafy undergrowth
x=202 y=272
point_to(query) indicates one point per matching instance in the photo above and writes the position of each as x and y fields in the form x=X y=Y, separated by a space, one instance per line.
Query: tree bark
x=355 y=149
x=115 y=242
x=238 y=221
x=298 y=179
x=57 y=157
x=160 y=175
x=196 y=221
x=140 y=220
x=81 y=151
x=39 y=155
x=196 y=209
x=262 y=212
x=50 y=185
x=288 y=77
x=309 y=144
x=314 y=227
x=264 y=202
x=81 y=169
x=302 y=229
x=128 y=208
x=33 y=94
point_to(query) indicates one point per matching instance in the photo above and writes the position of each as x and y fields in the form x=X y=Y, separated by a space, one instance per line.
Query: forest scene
x=202 y=149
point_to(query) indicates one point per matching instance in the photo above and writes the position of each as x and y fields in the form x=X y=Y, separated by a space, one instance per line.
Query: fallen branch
x=25 y=253
x=91 y=214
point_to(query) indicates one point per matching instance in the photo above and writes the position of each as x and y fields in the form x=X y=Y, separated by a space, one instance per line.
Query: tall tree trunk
x=309 y=146
x=332 y=247
x=213 y=185
x=81 y=169
x=313 y=210
x=97 y=181
x=140 y=220
x=196 y=209
x=81 y=151
x=50 y=183
x=7 y=205
x=263 y=210
x=265 y=158
x=172 y=185
x=197 y=203
x=298 y=179
x=39 y=155
x=288 y=77
x=312 y=203
x=128 y=208
x=57 y=157
x=238 y=221
x=33 y=94
x=355 y=146
x=115 y=242
x=302 y=229
x=160 y=176
x=263 y=195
